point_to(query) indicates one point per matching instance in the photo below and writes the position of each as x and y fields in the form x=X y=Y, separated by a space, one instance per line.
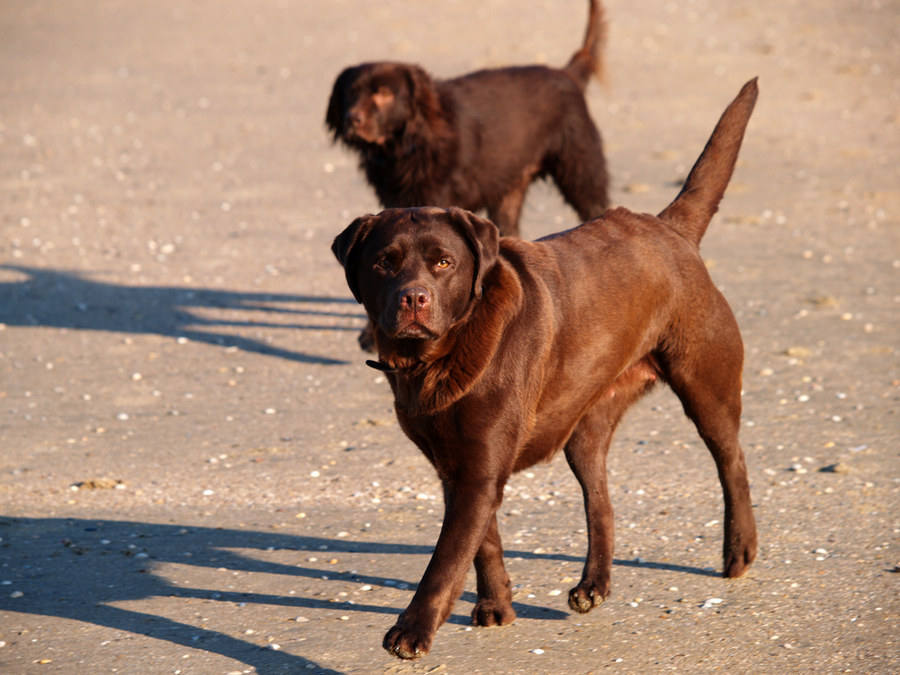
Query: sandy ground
x=198 y=473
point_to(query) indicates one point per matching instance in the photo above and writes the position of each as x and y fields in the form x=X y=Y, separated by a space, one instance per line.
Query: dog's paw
x=584 y=597
x=405 y=642
x=492 y=613
x=737 y=559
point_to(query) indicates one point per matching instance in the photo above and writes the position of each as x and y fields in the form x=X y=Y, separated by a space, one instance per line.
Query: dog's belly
x=542 y=446
x=557 y=420
x=554 y=423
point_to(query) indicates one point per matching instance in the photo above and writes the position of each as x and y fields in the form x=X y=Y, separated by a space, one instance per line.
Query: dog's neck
x=428 y=376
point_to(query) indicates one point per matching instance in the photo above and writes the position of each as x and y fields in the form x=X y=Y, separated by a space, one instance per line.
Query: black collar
x=378 y=365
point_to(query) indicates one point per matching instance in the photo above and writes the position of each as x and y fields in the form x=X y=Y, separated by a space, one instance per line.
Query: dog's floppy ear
x=346 y=249
x=425 y=102
x=483 y=239
x=334 y=116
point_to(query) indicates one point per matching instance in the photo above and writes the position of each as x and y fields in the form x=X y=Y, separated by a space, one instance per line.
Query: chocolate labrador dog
x=501 y=351
x=476 y=141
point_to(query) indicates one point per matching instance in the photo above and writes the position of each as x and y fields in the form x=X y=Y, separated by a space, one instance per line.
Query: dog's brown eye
x=384 y=264
x=443 y=263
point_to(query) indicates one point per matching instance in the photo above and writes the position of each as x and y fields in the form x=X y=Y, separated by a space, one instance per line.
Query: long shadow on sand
x=80 y=569
x=61 y=299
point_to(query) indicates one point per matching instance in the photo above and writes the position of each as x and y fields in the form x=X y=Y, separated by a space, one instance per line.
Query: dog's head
x=417 y=271
x=373 y=103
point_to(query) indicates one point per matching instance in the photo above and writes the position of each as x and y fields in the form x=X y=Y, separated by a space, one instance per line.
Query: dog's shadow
x=85 y=570
x=60 y=299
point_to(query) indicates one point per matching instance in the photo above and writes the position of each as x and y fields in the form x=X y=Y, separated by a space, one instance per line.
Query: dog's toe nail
x=584 y=601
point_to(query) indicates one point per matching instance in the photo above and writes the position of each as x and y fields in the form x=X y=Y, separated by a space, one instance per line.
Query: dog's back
x=513 y=117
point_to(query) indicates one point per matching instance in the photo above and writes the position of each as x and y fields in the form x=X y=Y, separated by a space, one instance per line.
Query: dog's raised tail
x=699 y=199
x=587 y=60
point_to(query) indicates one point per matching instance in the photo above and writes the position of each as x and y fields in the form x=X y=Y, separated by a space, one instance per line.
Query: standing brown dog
x=476 y=141
x=501 y=351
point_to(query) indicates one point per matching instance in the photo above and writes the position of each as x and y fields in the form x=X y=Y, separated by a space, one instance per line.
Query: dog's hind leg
x=494 y=606
x=579 y=171
x=707 y=379
x=507 y=211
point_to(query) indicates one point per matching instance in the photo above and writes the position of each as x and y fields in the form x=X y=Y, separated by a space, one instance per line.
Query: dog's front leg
x=469 y=507
x=494 y=606
x=586 y=453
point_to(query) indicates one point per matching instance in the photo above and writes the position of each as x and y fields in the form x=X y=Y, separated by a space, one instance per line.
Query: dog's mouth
x=359 y=133
x=414 y=331
x=408 y=327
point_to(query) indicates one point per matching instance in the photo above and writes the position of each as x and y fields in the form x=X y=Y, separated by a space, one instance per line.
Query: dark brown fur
x=500 y=352
x=476 y=141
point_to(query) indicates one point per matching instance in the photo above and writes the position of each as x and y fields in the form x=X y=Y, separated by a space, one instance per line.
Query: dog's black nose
x=353 y=119
x=415 y=298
